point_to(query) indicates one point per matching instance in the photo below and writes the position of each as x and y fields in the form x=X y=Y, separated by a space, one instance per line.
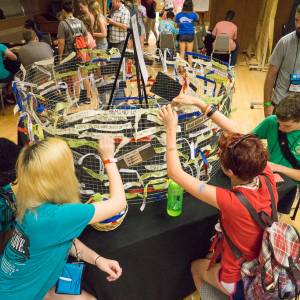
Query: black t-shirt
x=150 y=8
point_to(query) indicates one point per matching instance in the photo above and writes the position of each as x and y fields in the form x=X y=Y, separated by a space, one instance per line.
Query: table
x=155 y=250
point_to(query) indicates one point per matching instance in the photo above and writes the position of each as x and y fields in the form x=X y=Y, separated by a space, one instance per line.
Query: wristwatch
x=212 y=110
x=109 y=161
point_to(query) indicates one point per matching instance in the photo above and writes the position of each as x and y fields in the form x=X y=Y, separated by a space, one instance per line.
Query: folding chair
x=255 y=104
x=221 y=47
x=2 y=88
x=167 y=41
x=167 y=44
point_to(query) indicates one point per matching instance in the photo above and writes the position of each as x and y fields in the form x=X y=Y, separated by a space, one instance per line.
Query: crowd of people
x=39 y=188
x=105 y=30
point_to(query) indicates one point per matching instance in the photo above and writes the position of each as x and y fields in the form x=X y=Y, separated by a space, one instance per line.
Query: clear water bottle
x=174 y=199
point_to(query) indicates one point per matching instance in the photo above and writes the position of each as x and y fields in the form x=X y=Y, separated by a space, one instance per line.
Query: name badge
x=294 y=83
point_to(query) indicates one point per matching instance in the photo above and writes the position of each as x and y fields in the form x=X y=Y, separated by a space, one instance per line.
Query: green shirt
x=35 y=255
x=3 y=72
x=268 y=129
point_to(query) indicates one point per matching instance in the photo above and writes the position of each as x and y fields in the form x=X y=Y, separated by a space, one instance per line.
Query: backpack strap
x=235 y=250
x=72 y=32
x=256 y=217
x=286 y=151
x=78 y=31
x=70 y=27
x=273 y=205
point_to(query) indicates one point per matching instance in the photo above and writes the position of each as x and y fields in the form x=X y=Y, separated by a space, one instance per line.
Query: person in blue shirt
x=9 y=152
x=50 y=216
x=185 y=20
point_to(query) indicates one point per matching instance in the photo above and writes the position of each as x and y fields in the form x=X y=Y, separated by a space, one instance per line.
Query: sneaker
x=87 y=101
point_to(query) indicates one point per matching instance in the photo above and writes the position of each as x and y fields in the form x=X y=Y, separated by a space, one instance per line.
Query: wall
x=282 y=17
x=247 y=12
x=39 y=7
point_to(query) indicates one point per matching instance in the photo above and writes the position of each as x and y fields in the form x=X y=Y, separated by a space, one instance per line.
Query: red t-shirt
x=239 y=225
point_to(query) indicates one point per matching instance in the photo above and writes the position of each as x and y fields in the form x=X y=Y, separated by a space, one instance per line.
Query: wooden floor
x=249 y=87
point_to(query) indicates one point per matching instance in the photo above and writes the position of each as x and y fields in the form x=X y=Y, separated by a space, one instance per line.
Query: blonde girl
x=50 y=216
x=100 y=25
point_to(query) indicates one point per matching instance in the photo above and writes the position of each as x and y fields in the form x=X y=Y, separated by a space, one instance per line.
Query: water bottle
x=174 y=199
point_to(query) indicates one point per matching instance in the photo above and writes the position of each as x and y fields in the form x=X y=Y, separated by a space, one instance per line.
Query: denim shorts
x=186 y=38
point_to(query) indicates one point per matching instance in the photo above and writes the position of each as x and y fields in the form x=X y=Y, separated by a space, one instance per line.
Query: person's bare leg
x=76 y=85
x=51 y=295
x=189 y=47
x=142 y=38
x=86 y=83
x=147 y=28
x=200 y=273
x=182 y=49
x=130 y=44
x=153 y=29
x=87 y=87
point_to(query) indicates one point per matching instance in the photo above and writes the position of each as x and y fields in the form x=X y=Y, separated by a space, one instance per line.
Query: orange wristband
x=109 y=161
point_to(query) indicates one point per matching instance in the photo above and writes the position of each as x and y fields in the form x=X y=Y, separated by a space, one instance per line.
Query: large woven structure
x=52 y=99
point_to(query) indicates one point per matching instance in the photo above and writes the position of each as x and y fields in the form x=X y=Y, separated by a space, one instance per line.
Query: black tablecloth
x=155 y=250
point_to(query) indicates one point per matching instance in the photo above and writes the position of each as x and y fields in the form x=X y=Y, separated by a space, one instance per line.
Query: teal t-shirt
x=268 y=129
x=3 y=72
x=7 y=208
x=35 y=255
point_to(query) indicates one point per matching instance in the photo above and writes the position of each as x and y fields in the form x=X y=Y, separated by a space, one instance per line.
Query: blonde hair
x=45 y=172
x=86 y=19
x=95 y=8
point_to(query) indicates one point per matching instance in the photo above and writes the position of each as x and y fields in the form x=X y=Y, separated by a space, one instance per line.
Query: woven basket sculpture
x=70 y=100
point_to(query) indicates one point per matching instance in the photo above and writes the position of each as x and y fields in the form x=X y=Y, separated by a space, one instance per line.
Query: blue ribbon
x=18 y=96
x=184 y=117
x=197 y=150
x=206 y=80
x=204 y=57
x=94 y=60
